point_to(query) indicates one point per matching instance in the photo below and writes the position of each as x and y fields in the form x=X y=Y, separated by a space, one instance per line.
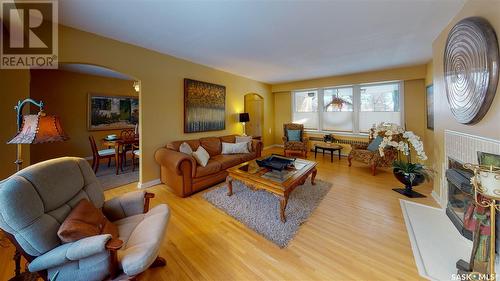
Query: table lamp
x=486 y=182
x=243 y=118
x=33 y=129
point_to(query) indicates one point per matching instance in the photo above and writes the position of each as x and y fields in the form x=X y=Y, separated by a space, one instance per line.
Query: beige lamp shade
x=490 y=182
x=39 y=129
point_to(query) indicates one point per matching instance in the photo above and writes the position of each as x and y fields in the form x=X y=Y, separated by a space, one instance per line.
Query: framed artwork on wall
x=106 y=112
x=471 y=72
x=204 y=106
x=429 y=101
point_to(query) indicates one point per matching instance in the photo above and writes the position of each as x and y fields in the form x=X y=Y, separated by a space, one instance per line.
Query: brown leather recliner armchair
x=181 y=172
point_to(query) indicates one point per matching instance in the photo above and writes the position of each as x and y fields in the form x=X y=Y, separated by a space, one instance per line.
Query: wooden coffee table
x=280 y=185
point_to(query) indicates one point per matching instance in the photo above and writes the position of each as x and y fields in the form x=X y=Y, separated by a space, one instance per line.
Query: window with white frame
x=379 y=103
x=351 y=109
x=306 y=109
x=338 y=108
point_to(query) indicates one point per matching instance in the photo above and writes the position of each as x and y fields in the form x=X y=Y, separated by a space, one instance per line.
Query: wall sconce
x=137 y=86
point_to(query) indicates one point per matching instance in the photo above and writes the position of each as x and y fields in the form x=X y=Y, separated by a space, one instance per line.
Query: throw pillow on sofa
x=243 y=138
x=234 y=148
x=185 y=148
x=201 y=156
x=247 y=139
x=83 y=221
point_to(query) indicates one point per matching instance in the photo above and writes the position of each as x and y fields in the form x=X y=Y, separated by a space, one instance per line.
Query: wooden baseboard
x=142 y=185
x=436 y=198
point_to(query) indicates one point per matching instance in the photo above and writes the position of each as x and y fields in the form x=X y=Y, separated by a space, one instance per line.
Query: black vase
x=409 y=184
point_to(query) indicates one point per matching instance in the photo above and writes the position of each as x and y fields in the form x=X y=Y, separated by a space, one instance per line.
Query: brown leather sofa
x=182 y=173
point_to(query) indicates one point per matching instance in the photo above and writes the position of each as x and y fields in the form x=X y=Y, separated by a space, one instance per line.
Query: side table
x=328 y=147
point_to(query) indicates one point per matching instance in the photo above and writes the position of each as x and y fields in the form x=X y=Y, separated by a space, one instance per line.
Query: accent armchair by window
x=370 y=155
x=294 y=140
x=35 y=201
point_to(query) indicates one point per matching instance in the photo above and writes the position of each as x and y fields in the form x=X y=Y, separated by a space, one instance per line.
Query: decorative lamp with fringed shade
x=34 y=129
x=39 y=128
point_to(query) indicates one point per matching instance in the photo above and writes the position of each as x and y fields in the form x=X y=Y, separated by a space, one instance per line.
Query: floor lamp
x=486 y=181
x=32 y=129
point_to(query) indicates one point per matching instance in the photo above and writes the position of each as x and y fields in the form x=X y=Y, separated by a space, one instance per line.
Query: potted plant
x=409 y=172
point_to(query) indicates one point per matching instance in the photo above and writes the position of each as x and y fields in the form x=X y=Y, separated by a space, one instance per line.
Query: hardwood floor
x=356 y=233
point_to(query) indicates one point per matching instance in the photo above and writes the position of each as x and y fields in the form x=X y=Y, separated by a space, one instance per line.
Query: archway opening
x=254 y=106
x=99 y=111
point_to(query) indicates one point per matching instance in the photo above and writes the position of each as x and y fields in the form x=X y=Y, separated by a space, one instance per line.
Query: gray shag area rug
x=259 y=210
x=109 y=179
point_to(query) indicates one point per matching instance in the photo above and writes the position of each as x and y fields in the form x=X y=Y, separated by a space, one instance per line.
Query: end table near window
x=328 y=147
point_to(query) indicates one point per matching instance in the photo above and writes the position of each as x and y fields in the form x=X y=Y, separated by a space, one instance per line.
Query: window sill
x=337 y=133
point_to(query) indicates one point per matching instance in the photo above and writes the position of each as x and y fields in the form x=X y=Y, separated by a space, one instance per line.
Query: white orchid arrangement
x=395 y=136
x=403 y=141
x=386 y=128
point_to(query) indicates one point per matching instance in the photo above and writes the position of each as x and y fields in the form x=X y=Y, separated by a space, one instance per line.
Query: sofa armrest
x=78 y=250
x=257 y=147
x=128 y=204
x=359 y=146
x=172 y=160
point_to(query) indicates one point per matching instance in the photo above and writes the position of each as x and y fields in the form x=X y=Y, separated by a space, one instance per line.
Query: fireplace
x=460 y=195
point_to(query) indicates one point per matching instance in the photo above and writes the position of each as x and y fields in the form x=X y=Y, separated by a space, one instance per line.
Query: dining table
x=119 y=144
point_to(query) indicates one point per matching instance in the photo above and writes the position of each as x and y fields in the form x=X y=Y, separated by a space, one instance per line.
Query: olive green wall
x=14 y=86
x=65 y=94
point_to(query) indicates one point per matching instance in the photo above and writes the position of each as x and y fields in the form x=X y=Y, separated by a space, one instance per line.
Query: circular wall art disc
x=471 y=64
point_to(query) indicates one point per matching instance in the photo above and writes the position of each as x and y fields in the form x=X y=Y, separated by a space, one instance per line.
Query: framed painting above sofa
x=204 y=106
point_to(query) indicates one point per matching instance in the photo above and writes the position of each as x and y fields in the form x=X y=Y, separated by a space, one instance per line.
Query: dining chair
x=97 y=155
x=136 y=154
x=127 y=134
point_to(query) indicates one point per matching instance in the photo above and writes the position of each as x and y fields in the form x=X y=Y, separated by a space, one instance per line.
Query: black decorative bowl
x=409 y=184
x=275 y=162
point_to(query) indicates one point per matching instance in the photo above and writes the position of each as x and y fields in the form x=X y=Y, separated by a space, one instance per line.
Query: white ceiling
x=93 y=70
x=273 y=41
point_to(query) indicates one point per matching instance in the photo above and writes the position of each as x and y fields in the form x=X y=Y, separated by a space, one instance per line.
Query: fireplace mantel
x=462 y=147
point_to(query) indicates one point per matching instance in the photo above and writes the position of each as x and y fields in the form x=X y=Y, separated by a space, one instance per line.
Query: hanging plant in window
x=337 y=103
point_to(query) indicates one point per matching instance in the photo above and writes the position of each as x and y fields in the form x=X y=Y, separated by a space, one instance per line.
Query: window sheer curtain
x=349 y=109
